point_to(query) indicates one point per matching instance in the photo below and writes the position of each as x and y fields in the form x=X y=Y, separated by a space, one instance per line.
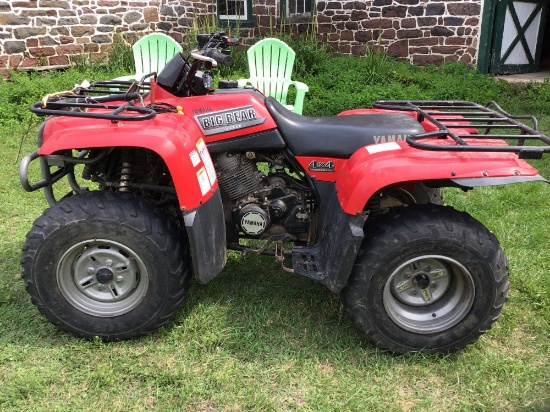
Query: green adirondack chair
x=151 y=53
x=270 y=62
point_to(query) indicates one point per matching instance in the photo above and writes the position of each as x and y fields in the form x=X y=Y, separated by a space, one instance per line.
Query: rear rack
x=489 y=122
x=98 y=95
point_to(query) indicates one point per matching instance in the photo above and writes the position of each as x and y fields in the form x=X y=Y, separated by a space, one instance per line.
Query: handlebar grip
x=221 y=58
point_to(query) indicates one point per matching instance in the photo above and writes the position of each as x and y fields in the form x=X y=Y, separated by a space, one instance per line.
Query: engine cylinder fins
x=237 y=175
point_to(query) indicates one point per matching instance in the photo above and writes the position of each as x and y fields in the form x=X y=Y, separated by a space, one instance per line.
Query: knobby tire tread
x=124 y=209
x=398 y=226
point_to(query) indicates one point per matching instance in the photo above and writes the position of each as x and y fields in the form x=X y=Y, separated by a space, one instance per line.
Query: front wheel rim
x=429 y=294
x=102 y=277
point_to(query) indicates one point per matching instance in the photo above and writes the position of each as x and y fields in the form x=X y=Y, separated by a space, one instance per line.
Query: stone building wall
x=37 y=33
x=53 y=32
x=419 y=31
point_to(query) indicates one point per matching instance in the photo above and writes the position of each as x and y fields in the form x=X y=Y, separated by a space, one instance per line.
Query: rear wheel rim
x=102 y=277
x=429 y=294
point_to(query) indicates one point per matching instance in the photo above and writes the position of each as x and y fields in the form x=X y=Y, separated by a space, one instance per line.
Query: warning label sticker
x=207 y=160
x=195 y=158
x=204 y=184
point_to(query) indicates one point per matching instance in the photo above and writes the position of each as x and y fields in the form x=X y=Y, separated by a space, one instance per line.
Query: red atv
x=182 y=172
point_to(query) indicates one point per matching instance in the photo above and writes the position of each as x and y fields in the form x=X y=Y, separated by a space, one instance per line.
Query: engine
x=261 y=197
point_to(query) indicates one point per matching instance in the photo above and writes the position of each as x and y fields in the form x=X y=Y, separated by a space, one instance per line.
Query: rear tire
x=427 y=278
x=106 y=264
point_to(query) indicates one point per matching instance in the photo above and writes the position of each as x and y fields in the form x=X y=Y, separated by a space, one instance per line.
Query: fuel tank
x=225 y=114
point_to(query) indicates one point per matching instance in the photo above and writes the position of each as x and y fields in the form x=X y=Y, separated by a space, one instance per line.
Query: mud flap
x=206 y=231
x=331 y=259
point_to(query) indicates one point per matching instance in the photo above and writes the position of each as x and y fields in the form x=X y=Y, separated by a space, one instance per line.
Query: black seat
x=339 y=136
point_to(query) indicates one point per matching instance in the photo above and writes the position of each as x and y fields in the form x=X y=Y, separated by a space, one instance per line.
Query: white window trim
x=244 y=16
x=288 y=14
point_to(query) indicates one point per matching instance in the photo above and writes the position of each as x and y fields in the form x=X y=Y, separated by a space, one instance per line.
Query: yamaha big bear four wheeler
x=181 y=172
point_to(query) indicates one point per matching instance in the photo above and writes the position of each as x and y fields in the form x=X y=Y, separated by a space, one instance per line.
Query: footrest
x=307 y=262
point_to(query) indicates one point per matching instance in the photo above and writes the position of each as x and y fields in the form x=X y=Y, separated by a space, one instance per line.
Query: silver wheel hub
x=429 y=294
x=102 y=277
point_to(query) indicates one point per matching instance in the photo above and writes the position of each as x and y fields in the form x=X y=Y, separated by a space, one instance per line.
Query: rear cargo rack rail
x=76 y=103
x=488 y=122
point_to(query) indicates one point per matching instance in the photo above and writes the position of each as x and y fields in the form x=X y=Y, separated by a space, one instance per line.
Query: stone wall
x=37 y=33
x=419 y=31
x=53 y=32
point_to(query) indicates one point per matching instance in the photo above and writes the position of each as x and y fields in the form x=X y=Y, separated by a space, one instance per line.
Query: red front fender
x=374 y=167
x=175 y=138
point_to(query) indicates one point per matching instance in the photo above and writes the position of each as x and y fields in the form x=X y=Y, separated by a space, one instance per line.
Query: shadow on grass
x=254 y=310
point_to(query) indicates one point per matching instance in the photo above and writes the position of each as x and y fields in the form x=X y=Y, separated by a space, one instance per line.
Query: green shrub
x=311 y=57
x=376 y=65
x=120 y=58
x=23 y=89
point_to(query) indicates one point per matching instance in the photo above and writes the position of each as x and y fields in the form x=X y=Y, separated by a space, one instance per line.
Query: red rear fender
x=374 y=167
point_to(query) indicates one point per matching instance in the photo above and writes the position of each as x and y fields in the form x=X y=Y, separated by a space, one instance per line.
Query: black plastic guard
x=331 y=259
x=206 y=231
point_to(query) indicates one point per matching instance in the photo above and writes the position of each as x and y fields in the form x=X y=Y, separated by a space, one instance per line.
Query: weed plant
x=120 y=57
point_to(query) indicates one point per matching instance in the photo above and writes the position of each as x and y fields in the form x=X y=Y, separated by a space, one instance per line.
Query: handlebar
x=212 y=56
x=215 y=39
x=197 y=55
x=221 y=58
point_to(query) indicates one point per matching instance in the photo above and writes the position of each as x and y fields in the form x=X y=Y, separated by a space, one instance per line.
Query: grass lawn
x=257 y=338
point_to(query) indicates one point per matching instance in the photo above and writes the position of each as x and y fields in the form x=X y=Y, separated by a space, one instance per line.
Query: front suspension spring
x=126 y=159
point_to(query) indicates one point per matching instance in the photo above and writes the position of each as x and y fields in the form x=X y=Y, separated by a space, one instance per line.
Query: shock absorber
x=373 y=205
x=126 y=158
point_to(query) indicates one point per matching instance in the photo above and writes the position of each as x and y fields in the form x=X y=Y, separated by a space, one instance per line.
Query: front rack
x=461 y=124
x=77 y=102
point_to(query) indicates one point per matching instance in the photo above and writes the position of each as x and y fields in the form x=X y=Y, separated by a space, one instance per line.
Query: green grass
x=257 y=338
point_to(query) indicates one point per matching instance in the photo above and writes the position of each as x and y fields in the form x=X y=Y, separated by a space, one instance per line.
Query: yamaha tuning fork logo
x=317 y=166
x=227 y=120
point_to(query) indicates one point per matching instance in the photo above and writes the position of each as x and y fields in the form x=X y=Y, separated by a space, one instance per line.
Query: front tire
x=427 y=278
x=106 y=264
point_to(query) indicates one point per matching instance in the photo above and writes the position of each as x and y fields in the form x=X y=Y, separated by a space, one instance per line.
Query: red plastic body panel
x=174 y=137
x=213 y=103
x=394 y=163
x=177 y=138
